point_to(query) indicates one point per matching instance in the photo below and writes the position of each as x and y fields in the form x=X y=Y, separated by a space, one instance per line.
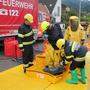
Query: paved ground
x=7 y=63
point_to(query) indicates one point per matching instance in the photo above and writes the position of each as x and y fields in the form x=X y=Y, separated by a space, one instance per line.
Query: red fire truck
x=11 y=16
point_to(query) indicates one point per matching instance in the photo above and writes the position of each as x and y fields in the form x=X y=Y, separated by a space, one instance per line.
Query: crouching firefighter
x=75 y=53
x=26 y=41
x=52 y=53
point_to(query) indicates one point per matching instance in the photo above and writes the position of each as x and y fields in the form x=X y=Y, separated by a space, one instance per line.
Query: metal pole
x=80 y=10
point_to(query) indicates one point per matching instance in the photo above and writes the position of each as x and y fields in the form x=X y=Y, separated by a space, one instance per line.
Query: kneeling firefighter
x=75 y=53
x=26 y=40
x=53 y=53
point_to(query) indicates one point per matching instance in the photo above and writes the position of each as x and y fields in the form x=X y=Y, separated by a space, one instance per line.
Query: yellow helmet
x=60 y=43
x=29 y=17
x=73 y=18
x=44 y=25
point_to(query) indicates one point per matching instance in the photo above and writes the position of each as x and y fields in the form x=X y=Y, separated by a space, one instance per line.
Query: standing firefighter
x=25 y=39
x=53 y=53
x=76 y=54
x=75 y=32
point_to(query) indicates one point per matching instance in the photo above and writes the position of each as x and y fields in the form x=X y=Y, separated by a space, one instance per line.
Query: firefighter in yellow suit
x=52 y=56
x=75 y=32
x=52 y=51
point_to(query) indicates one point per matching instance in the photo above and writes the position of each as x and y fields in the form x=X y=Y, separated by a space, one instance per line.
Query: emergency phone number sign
x=13 y=11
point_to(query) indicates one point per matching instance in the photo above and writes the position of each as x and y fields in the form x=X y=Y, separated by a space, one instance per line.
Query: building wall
x=57 y=10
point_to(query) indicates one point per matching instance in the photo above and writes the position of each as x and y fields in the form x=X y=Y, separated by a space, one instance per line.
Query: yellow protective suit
x=52 y=56
x=75 y=35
